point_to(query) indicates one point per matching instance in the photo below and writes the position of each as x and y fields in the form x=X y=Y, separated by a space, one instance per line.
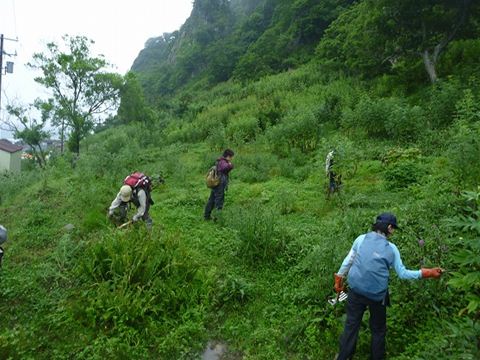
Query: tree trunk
x=429 y=62
x=38 y=155
x=76 y=142
x=62 y=137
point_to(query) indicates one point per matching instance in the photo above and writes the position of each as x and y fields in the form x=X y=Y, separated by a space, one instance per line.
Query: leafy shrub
x=467 y=108
x=231 y=291
x=217 y=139
x=443 y=340
x=255 y=167
x=405 y=123
x=286 y=201
x=134 y=286
x=397 y=154
x=186 y=133
x=269 y=113
x=461 y=58
x=13 y=183
x=369 y=115
x=441 y=102
x=256 y=229
x=115 y=142
x=386 y=118
x=242 y=129
x=466 y=278
x=200 y=127
x=172 y=164
x=295 y=166
x=463 y=153
x=402 y=169
x=299 y=129
x=402 y=174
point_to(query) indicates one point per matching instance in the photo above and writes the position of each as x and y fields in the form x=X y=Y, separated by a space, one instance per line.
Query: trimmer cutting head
x=341 y=296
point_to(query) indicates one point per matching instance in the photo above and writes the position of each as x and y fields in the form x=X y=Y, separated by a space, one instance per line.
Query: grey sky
x=119 y=28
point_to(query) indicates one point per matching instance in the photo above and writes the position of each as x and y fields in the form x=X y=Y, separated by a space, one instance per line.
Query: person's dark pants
x=216 y=199
x=356 y=306
x=332 y=183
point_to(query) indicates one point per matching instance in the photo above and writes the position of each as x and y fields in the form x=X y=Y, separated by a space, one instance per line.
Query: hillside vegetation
x=259 y=278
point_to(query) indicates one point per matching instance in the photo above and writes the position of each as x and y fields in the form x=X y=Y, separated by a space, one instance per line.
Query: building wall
x=4 y=161
x=16 y=161
x=10 y=162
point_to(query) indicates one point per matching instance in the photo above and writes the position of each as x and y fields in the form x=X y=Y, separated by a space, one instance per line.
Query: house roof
x=7 y=146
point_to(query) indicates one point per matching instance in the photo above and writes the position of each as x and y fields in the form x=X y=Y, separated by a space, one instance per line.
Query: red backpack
x=138 y=179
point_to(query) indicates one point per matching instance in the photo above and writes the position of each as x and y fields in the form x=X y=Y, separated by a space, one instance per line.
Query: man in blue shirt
x=367 y=265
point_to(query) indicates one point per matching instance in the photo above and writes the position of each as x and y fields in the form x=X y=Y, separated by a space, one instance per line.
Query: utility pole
x=1 y=69
x=8 y=68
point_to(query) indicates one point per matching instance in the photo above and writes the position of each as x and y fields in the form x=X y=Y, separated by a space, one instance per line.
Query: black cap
x=388 y=218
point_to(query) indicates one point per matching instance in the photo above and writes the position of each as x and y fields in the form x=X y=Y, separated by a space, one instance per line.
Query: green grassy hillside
x=258 y=278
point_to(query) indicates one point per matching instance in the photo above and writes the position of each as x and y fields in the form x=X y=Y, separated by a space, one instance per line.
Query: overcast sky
x=119 y=28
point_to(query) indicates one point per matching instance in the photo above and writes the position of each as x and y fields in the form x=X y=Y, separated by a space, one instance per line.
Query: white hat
x=125 y=193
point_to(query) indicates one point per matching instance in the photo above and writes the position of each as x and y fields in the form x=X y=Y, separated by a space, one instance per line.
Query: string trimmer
x=124 y=225
x=341 y=296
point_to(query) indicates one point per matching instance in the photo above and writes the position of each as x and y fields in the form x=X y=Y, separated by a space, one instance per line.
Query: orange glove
x=431 y=273
x=339 y=283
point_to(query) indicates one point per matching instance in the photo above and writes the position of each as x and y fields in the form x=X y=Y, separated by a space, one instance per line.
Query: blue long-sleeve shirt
x=368 y=264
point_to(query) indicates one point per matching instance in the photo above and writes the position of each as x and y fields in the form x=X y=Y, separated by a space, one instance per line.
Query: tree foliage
x=133 y=106
x=31 y=129
x=81 y=88
x=375 y=37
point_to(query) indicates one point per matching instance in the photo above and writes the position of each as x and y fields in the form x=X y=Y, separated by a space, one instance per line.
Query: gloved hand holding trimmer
x=339 y=287
x=431 y=273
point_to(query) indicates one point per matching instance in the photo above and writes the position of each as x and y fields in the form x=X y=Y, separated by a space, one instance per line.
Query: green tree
x=29 y=129
x=133 y=106
x=81 y=88
x=287 y=37
x=378 y=36
x=425 y=28
x=354 y=43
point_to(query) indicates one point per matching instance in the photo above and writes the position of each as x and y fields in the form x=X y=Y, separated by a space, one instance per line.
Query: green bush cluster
x=402 y=175
x=387 y=118
x=241 y=130
x=467 y=259
x=256 y=228
x=135 y=289
x=299 y=129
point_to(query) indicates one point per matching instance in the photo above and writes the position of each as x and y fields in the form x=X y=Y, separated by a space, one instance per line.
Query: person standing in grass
x=367 y=265
x=329 y=171
x=217 y=194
